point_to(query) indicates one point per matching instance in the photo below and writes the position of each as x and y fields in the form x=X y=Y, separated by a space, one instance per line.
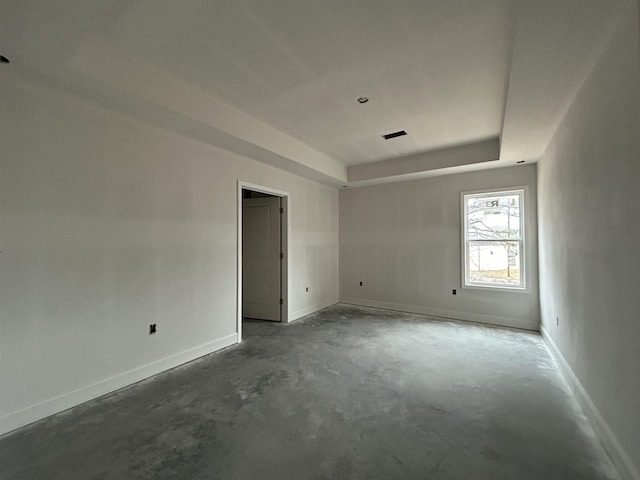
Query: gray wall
x=109 y=225
x=589 y=220
x=403 y=241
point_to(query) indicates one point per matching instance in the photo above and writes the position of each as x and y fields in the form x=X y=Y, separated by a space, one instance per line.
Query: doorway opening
x=262 y=254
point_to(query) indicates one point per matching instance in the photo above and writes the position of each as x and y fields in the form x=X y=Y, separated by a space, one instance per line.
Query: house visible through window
x=494 y=239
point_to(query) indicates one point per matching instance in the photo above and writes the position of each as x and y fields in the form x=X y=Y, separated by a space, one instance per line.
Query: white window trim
x=524 y=288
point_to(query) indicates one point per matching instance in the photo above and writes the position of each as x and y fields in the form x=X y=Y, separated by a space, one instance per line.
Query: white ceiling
x=278 y=80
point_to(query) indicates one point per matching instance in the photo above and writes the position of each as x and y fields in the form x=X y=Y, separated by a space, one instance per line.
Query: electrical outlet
x=360 y=283
x=557 y=322
x=454 y=292
x=307 y=289
x=152 y=329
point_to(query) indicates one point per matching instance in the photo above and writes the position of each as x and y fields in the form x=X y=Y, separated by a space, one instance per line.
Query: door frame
x=284 y=235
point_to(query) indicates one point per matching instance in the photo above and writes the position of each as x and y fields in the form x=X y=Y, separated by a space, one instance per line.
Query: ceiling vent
x=399 y=133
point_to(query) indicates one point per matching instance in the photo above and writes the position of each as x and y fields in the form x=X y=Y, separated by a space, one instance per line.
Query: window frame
x=466 y=283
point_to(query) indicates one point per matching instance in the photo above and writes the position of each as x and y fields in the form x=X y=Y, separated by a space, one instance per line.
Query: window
x=493 y=226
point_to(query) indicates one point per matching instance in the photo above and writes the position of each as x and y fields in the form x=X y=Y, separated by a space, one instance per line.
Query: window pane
x=493 y=217
x=494 y=263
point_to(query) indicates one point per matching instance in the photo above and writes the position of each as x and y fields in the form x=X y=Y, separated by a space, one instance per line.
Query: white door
x=261 y=258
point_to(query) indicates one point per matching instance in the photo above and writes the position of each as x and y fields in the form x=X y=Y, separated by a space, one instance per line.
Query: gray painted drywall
x=109 y=225
x=473 y=153
x=589 y=213
x=403 y=241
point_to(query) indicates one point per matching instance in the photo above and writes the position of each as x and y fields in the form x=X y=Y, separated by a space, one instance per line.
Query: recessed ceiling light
x=3 y=59
x=520 y=161
x=363 y=99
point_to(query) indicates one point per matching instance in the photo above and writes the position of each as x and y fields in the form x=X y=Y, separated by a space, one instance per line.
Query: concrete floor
x=347 y=393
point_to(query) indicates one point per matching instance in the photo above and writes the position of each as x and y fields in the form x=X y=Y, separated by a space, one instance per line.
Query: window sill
x=489 y=288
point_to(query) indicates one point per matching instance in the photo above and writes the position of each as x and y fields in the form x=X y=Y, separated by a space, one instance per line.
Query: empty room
x=309 y=239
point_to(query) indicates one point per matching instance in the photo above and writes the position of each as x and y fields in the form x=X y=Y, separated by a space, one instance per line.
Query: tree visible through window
x=494 y=239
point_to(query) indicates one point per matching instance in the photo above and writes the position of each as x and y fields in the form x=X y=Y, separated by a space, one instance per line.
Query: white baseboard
x=619 y=457
x=54 y=405
x=303 y=312
x=445 y=314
